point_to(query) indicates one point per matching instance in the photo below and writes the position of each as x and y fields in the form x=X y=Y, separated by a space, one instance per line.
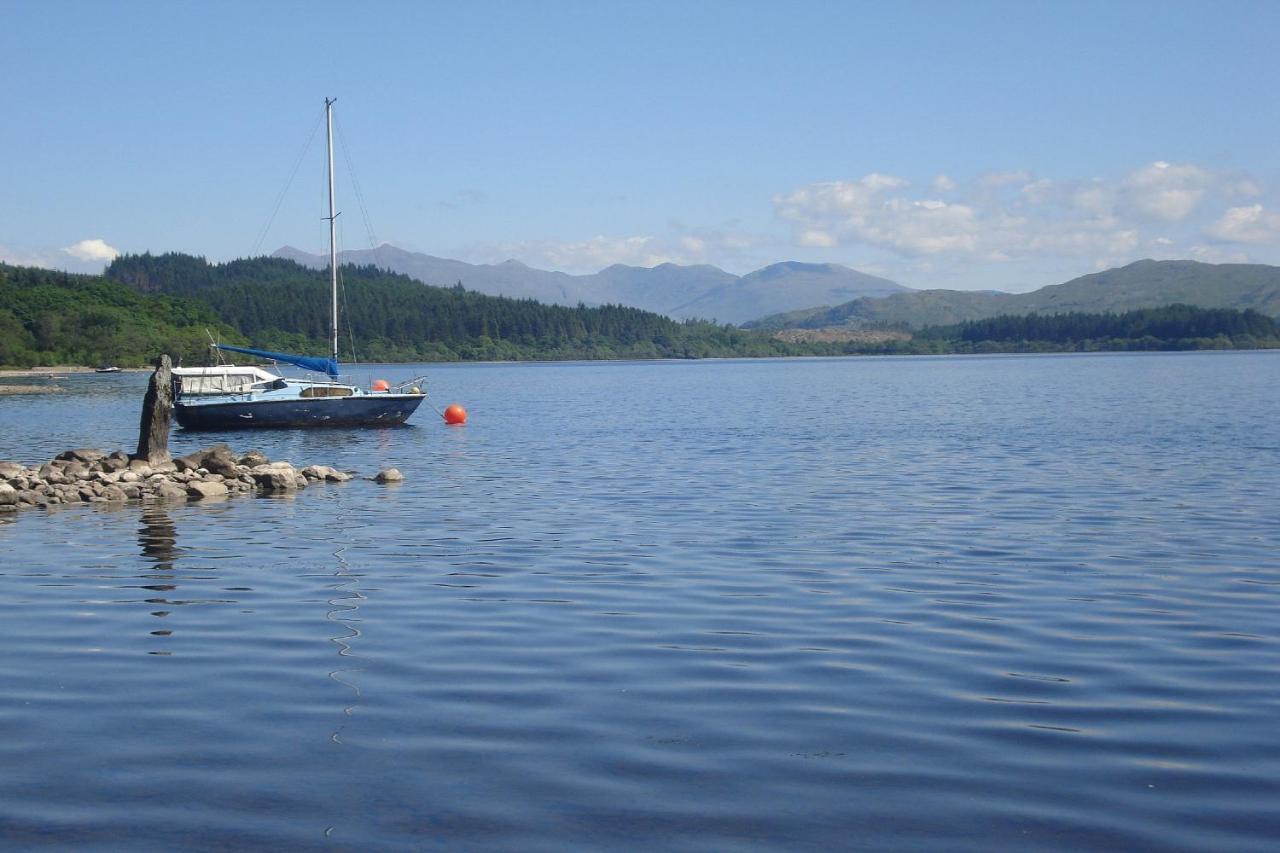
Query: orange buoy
x=381 y=385
x=455 y=415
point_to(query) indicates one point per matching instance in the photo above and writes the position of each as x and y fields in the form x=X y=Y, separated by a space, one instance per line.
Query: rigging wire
x=346 y=309
x=355 y=185
x=297 y=164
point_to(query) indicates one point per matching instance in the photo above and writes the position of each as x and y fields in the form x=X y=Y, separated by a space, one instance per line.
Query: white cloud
x=86 y=256
x=1216 y=255
x=92 y=251
x=820 y=239
x=864 y=211
x=943 y=184
x=1252 y=224
x=1166 y=191
x=1160 y=209
x=25 y=258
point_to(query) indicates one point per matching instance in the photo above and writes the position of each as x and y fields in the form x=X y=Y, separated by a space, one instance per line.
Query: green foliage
x=280 y=304
x=147 y=304
x=1142 y=284
x=1169 y=327
x=49 y=317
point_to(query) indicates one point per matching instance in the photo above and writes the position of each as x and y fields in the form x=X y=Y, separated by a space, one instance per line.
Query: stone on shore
x=11 y=469
x=253 y=458
x=203 y=489
x=85 y=455
x=85 y=475
x=276 y=477
x=167 y=491
x=325 y=472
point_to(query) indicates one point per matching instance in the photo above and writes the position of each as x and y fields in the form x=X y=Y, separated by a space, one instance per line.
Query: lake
x=954 y=603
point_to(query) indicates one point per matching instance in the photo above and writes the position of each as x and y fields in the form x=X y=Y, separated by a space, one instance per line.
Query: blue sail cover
x=308 y=362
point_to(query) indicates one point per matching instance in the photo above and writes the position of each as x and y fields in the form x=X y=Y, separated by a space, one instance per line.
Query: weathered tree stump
x=157 y=409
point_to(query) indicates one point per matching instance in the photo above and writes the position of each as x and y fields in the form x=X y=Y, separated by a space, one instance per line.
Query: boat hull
x=362 y=410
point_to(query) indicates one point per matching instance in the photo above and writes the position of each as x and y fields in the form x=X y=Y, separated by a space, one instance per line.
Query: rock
x=167 y=491
x=190 y=462
x=114 y=494
x=51 y=474
x=8 y=495
x=157 y=410
x=220 y=460
x=85 y=455
x=202 y=489
x=325 y=472
x=117 y=461
x=131 y=491
x=276 y=477
x=254 y=458
x=28 y=497
x=76 y=471
x=140 y=467
x=389 y=475
x=129 y=477
x=11 y=469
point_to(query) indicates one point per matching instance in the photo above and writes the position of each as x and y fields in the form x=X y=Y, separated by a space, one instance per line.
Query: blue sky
x=963 y=145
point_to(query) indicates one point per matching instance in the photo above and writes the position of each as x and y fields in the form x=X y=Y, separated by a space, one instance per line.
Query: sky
x=966 y=145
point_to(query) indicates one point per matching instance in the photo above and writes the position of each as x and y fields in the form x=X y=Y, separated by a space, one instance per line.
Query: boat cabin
x=223 y=379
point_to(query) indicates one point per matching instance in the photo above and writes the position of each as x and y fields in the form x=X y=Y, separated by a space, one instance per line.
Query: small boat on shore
x=227 y=396
x=106 y=368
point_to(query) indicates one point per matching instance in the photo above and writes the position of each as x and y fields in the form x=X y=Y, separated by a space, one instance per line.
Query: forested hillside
x=49 y=317
x=148 y=304
x=386 y=316
x=1142 y=284
x=1171 y=327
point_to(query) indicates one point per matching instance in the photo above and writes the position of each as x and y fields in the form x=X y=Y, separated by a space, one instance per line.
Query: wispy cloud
x=1252 y=224
x=679 y=245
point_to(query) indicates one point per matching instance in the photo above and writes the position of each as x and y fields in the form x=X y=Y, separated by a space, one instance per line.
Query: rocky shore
x=93 y=476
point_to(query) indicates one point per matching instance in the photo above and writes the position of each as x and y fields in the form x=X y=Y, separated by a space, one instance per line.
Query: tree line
x=147 y=304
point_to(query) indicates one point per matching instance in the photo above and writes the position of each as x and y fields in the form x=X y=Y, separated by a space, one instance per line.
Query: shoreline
x=54 y=371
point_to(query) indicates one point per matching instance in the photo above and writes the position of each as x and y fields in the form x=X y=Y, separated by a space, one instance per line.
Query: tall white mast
x=333 y=245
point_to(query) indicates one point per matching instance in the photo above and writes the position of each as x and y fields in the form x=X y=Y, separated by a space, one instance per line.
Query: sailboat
x=227 y=396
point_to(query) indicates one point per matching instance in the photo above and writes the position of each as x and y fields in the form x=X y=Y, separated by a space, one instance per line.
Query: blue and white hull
x=230 y=397
x=364 y=410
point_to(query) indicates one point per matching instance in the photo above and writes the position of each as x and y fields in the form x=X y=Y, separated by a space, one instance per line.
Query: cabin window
x=326 y=391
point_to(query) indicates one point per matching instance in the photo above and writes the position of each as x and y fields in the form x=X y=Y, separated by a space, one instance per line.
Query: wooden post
x=157 y=408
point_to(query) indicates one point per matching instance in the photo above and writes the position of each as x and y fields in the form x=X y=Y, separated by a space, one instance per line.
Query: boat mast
x=333 y=246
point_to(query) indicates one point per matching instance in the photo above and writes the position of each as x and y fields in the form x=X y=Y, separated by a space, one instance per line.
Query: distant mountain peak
x=677 y=290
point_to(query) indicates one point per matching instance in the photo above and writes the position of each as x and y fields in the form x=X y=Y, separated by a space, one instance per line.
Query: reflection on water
x=961 y=604
x=343 y=612
x=158 y=536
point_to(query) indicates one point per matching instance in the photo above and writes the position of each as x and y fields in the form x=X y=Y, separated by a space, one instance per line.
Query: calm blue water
x=926 y=603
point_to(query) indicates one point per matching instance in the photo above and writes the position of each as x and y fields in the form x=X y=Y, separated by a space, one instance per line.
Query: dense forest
x=1172 y=327
x=49 y=317
x=147 y=304
x=390 y=317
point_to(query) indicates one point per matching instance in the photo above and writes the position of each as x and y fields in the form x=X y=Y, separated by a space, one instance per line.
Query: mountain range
x=681 y=292
x=1142 y=284
x=829 y=296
